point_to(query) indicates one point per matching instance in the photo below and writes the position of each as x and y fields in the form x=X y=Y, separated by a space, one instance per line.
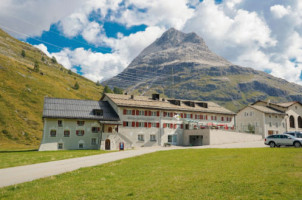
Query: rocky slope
x=22 y=91
x=180 y=65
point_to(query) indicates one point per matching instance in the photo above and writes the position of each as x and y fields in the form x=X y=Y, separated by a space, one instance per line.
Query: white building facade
x=265 y=118
x=134 y=121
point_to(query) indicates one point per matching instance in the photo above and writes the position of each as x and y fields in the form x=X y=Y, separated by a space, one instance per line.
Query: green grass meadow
x=26 y=157
x=178 y=174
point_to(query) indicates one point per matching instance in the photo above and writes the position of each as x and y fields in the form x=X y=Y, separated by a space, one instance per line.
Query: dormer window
x=98 y=112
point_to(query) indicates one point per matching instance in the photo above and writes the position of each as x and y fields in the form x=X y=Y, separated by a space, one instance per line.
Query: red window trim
x=133 y=112
x=146 y=124
x=133 y=124
x=157 y=125
x=137 y=112
x=125 y=112
x=157 y=113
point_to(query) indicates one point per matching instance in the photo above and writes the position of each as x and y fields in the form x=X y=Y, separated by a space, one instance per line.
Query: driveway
x=21 y=174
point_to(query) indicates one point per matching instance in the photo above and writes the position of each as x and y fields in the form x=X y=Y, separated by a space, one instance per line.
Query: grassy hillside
x=22 y=91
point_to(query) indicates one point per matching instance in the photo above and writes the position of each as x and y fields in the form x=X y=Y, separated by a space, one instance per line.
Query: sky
x=99 y=38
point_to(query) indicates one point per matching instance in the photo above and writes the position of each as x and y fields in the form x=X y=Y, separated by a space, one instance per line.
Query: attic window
x=98 y=112
x=190 y=103
x=175 y=102
x=202 y=104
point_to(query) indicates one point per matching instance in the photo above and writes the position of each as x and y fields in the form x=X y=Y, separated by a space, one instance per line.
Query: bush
x=107 y=89
x=69 y=72
x=7 y=134
x=23 y=53
x=117 y=90
x=54 y=60
x=76 y=86
x=36 y=67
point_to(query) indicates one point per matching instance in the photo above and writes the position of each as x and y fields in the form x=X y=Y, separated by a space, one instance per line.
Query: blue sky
x=99 y=38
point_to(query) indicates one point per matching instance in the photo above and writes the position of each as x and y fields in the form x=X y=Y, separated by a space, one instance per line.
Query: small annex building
x=266 y=118
x=134 y=121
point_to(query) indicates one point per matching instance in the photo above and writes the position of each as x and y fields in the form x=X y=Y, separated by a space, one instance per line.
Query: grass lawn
x=13 y=158
x=179 y=174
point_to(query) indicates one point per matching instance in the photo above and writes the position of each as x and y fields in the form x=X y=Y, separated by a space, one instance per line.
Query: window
x=60 y=123
x=53 y=133
x=292 y=121
x=169 y=138
x=125 y=124
x=98 y=112
x=153 y=113
x=66 y=133
x=152 y=138
x=110 y=129
x=60 y=145
x=95 y=129
x=80 y=132
x=299 y=122
x=141 y=112
x=129 y=112
x=270 y=124
x=81 y=146
x=93 y=141
x=80 y=123
x=140 y=137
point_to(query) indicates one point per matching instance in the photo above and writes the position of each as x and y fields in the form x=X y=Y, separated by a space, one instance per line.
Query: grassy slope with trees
x=27 y=75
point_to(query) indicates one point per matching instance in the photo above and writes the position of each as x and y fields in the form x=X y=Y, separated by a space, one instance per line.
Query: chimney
x=132 y=96
x=268 y=102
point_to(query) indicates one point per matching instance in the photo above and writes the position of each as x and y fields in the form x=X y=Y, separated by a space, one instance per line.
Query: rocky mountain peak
x=176 y=46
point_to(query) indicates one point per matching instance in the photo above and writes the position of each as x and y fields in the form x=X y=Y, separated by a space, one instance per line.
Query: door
x=196 y=140
x=107 y=144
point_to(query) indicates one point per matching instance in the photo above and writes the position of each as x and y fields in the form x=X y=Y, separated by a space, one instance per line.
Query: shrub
x=23 y=53
x=69 y=72
x=107 y=89
x=76 y=86
x=54 y=60
x=36 y=67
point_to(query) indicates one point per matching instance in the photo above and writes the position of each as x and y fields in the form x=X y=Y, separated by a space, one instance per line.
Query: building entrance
x=196 y=140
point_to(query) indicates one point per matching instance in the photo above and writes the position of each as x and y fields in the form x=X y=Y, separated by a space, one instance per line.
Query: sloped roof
x=77 y=109
x=266 y=109
x=287 y=104
x=164 y=104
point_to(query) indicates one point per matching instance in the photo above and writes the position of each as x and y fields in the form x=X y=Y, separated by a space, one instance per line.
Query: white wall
x=72 y=142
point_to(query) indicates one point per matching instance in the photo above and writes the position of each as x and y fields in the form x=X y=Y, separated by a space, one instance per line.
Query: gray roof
x=78 y=109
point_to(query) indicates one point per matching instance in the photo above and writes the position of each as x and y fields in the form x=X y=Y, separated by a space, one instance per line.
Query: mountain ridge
x=181 y=65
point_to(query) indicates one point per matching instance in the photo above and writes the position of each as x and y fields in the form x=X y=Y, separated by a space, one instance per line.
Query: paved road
x=21 y=174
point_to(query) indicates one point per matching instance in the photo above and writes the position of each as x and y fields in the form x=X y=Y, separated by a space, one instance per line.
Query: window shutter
x=191 y=116
x=181 y=126
x=149 y=125
x=125 y=112
x=171 y=125
x=164 y=125
x=157 y=125
x=157 y=113
x=124 y=123
x=222 y=119
x=195 y=116
x=175 y=125
x=137 y=112
x=172 y=114
x=133 y=124
x=149 y=112
x=99 y=129
x=181 y=115
x=133 y=112
x=77 y=132
x=206 y=117
x=165 y=114
x=201 y=116
x=146 y=113
x=146 y=124
x=136 y=124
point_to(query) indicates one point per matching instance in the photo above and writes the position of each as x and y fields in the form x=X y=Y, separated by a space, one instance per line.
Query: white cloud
x=279 y=11
x=43 y=48
x=31 y=17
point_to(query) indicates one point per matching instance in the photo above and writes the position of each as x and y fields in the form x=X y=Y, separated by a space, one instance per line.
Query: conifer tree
x=76 y=86
x=23 y=53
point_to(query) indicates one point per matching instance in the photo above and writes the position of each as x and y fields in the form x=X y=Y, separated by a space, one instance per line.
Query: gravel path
x=21 y=174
